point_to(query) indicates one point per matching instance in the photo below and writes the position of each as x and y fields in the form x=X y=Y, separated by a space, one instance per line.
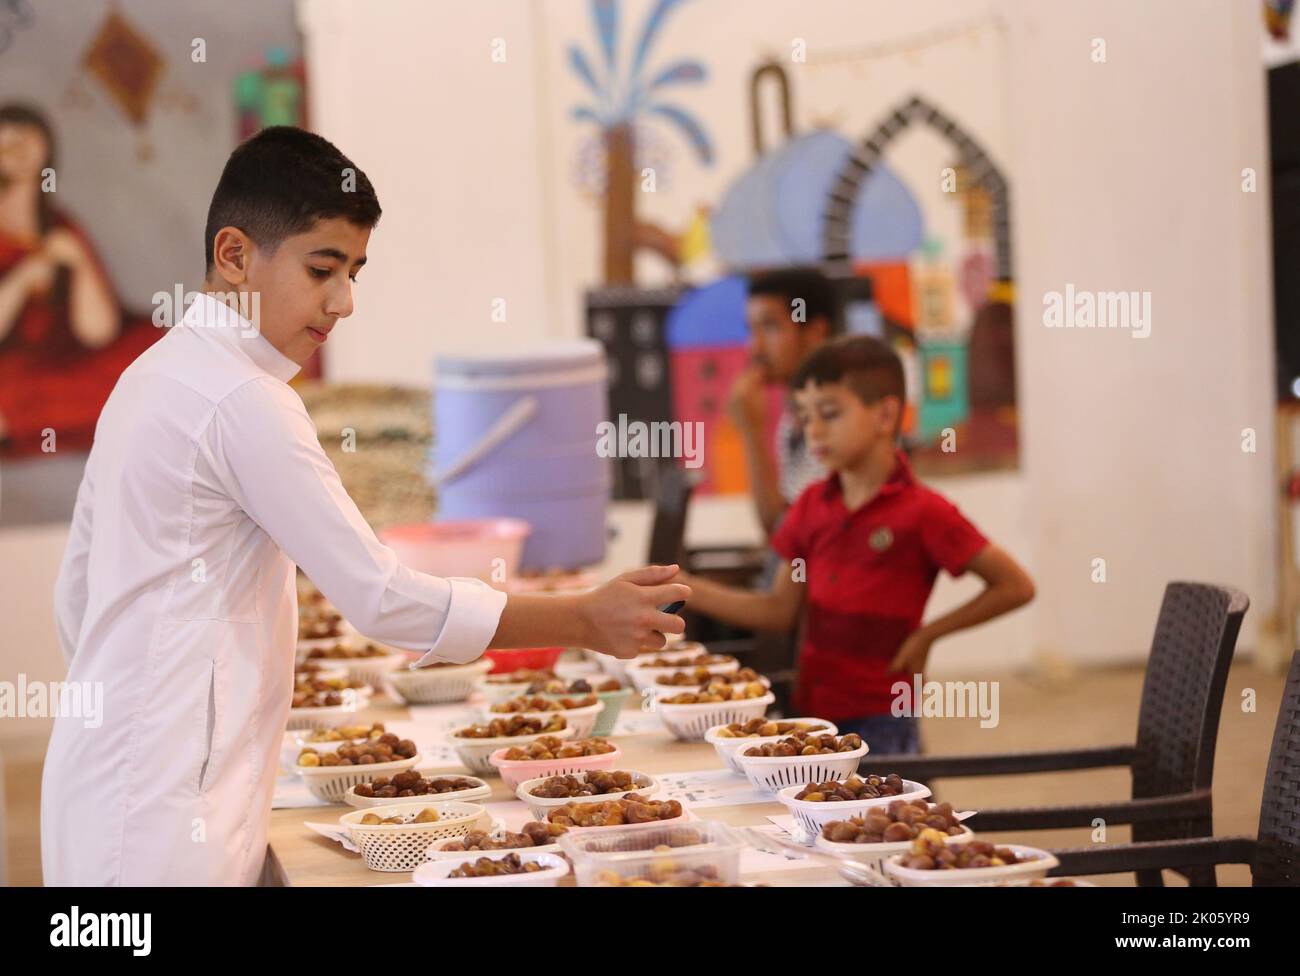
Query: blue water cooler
x=515 y=435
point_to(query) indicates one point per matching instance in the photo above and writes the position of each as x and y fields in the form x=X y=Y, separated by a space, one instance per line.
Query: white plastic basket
x=298 y=741
x=401 y=847
x=605 y=719
x=318 y=718
x=580 y=720
x=492 y=694
x=347 y=635
x=515 y=771
x=375 y=670
x=294 y=742
x=1039 y=863
x=474 y=753
x=436 y=874
x=436 y=686
x=686 y=817
x=330 y=783
x=358 y=697
x=689 y=722
x=500 y=692
x=875 y=855
x=657 y=691
x=643 y=676
x=480 y=791
x=774 y=773
x=728 y=748
x=539 y=807
x=567 y=670
x=613 y=666
x=813 y=816
x=322 y=674
x=617 y=667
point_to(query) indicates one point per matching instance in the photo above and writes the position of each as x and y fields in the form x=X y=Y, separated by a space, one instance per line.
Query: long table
x=297 y=855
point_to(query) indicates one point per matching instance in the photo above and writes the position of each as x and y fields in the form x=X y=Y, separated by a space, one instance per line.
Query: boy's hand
x=681 y=576
x=747 y=401
x=623 y=616
x=911 y=657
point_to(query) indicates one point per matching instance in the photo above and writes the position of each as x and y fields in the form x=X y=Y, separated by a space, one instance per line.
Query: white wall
x=409 y=91
x=145 y=218
x=1128 y=176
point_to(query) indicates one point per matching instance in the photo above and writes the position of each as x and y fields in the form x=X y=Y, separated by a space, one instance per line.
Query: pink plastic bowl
x=466 y=548
x=515 y=771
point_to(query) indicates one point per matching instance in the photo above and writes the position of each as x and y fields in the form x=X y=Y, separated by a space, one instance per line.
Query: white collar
x=210 y=316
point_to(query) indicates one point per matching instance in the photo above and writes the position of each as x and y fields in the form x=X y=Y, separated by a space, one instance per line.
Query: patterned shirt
x=796 y=468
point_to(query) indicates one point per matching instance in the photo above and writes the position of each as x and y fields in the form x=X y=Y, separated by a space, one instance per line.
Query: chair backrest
x=1277 y=849
x=1182 y=693
x=672 y=496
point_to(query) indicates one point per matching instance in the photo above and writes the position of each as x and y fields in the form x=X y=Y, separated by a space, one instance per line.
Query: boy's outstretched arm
x=620 y=617
x=262 y=447
x=776 y=609
x=1007 y=586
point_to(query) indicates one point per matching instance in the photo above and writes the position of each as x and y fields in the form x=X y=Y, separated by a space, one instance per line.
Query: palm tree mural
x=620 y=99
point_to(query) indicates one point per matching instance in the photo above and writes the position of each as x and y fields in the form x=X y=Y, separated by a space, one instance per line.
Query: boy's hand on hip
x=623 y=616
x=911 y=657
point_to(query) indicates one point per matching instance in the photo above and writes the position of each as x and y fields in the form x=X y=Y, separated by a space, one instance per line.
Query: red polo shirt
x=869 y=575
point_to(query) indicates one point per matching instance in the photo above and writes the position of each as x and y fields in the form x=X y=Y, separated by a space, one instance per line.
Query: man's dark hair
x=280 y=182
x=814 y=288
x=867 y=366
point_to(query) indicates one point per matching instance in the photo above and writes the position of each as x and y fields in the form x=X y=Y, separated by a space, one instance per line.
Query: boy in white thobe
x=205 y=486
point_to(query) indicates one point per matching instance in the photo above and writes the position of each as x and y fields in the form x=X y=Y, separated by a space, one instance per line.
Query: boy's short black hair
x=818 y=294
x=864 y=364
x=280 y=182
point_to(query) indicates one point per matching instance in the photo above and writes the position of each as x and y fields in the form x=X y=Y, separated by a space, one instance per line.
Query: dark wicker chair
x=672 y=497
x=1273 y=855
x=1172 y=762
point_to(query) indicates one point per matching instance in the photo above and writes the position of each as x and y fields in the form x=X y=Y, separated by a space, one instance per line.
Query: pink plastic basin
x=461 y=548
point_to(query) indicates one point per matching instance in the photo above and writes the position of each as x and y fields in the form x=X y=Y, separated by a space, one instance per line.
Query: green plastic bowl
x=614 y=702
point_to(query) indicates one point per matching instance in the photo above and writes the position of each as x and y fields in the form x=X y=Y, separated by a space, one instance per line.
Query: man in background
x=791 y=312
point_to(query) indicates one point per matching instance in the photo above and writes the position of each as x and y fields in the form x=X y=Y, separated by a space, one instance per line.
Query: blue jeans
x=885 y=734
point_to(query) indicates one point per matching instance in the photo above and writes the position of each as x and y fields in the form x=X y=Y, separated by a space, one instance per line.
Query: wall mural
x=622 y=99
x=822 y=197
x=66 y=334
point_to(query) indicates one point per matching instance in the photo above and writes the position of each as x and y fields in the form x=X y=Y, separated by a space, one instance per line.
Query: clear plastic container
x=632 y=853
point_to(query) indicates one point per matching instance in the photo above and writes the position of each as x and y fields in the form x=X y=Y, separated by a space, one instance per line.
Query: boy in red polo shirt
x=862 y=550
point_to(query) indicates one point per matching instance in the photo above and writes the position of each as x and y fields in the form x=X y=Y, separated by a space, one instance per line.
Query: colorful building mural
x=820 y=198
x=622 y=99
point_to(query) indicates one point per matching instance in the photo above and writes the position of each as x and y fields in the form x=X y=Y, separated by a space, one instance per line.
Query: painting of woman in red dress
x=64 y=336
